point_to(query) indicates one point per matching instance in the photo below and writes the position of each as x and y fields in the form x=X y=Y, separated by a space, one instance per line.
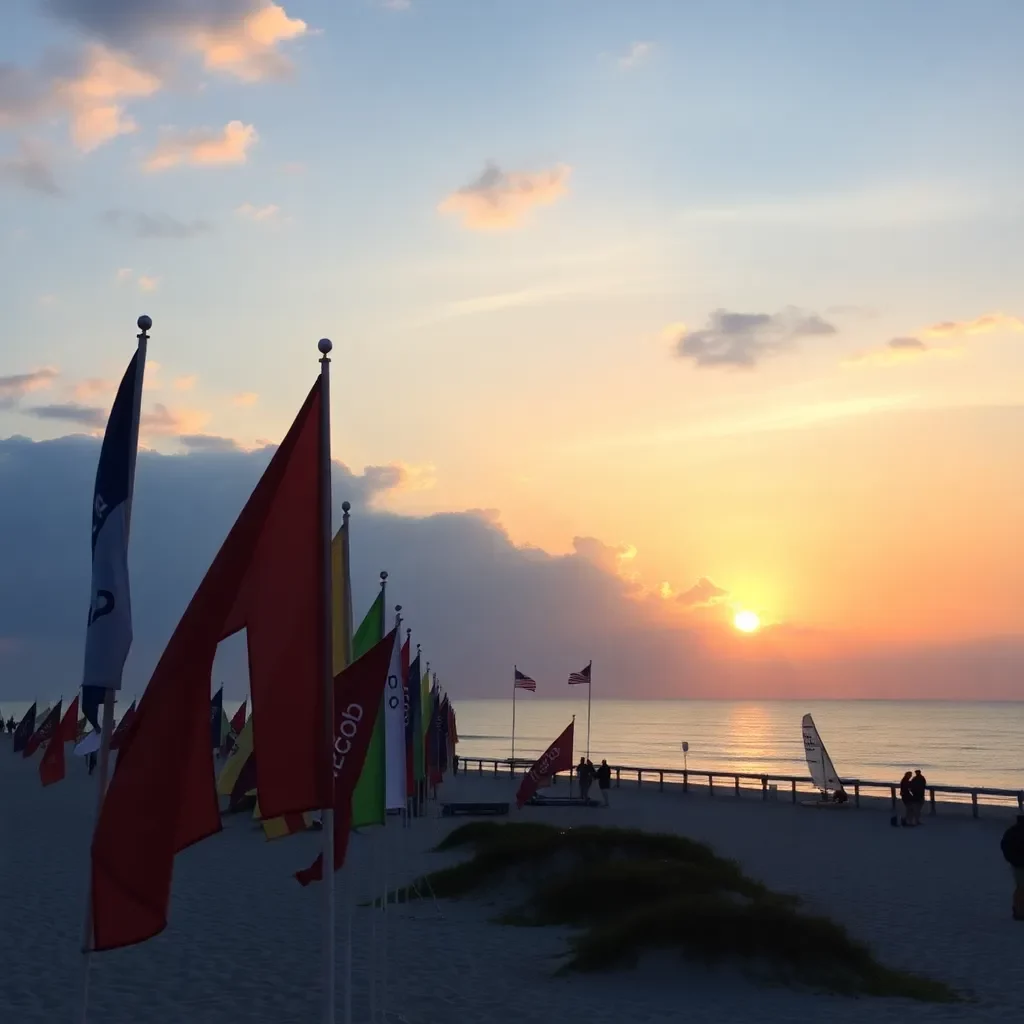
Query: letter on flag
x=108 y=636
x=557 y=758
x=357 y=699
x=269 y=578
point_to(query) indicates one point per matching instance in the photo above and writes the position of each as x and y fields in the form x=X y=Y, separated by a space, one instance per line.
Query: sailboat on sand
x=823 y=772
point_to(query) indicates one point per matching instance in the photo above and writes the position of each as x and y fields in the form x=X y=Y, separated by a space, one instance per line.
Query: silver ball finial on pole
x=383 y=575
x=325 y=346
x=144 y=323
x=346 y=506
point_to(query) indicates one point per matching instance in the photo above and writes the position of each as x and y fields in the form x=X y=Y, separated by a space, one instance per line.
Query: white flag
x=394 y=732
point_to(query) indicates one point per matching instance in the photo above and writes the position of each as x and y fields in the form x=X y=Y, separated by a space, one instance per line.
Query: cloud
x=164 y=421
x=258 y=213
x=124 y=274
x=703 y=592
x=236 y=37
x=203 y=147
x=245 y=399
x=637 y=54
x=93 y=387
x=15 y=386
x=497 y=199
x=209 y=443
x=987 y=324
x=88 y=87
x=744 y=339
x=896 y=350
x=155 y=225
x=147 y=284
x=71 y=412
x=614 y=559
x=185 y=383
x=29 y=169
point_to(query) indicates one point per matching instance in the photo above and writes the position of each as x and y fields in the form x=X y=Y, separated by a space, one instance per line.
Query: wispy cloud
x=15 y=386
x=744 y=339
x=637 y=54
x=91 y=416
x=163 y=420
x=185 y=383
x=93 y=387
x=29 y=169
x=903 y=349
x=155 y=225
x=148 y=284
x=703 y=592
x=258 y=213
x=144 y=282
x=203 y=147
x=248 y=48
x=209 y=443
x=245 y=399
x=498 y=200
x=988 y=323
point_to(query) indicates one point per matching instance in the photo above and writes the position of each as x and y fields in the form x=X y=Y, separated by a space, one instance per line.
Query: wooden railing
x=765 y=780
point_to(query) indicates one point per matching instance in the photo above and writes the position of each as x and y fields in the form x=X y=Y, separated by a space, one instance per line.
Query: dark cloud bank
x=477 y=603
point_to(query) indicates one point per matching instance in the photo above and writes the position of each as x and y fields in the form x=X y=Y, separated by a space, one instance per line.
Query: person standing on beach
x=604 y=780
x=907 y=799
x=918 y=785
x=583 y=773
x=1012 y=845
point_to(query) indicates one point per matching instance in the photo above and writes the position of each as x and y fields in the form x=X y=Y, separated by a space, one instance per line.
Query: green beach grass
x=629 y=892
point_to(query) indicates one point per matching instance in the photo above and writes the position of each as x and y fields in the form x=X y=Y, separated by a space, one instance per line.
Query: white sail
x=823 y=772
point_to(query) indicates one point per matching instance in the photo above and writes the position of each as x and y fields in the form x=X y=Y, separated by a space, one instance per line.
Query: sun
x=746 y=621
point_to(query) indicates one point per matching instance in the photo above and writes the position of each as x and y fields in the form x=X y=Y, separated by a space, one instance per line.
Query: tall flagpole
x=514 y=669
x=327 y=656
x=144 y=324
x=590 y=691
x=375 y=867
x=350 y=893
x=385 y=859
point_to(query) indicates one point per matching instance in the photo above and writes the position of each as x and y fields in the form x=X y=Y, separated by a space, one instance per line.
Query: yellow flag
x=236 y=760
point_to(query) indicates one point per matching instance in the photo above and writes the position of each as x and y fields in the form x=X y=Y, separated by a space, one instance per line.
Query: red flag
x=268 y=577
x=235 y=728
x=44 y=732
x=358 y=694
x=122 y=727
x=557 y=758
x=51 y=767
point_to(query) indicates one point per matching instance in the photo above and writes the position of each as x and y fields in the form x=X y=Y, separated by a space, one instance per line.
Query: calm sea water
x=956 y=744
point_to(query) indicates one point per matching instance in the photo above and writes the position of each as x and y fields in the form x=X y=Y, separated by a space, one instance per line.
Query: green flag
x=368 y=797
x=418 y=763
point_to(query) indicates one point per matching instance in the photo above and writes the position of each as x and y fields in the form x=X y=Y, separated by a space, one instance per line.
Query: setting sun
x=746 y=622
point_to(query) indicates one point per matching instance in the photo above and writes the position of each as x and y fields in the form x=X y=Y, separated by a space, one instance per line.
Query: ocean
x=953 y=743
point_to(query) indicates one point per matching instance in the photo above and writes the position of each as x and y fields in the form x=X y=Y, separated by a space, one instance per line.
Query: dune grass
x=629 y=892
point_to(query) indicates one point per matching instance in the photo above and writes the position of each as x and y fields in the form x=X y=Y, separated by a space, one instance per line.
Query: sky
x=643 y=315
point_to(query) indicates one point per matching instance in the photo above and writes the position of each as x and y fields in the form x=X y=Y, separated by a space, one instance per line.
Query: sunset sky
x=723 y=298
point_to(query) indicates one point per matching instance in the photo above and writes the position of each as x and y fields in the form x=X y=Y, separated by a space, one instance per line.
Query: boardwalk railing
x=768 y=783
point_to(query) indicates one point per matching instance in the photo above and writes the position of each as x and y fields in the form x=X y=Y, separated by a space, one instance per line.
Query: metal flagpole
x=386 y=858
x=514 y=670
x=375 y=867
x=349 y=897
x=327 y=654
x=590 y=690
x=144 y=323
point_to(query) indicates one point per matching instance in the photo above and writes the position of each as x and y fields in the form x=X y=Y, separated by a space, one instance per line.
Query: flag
x=523 y=681
x=583 y=676
x=358 y=693
x=419 y=739
x=434 y=738
x=341 y=599
x=394 y=732
x=237 y=778
x=216 y=715
x=285 y=825
x=51 y=765
x=121 y=732
x=267 y=578
x=557 y=758
x=369 y=796
x=26 y=727
x=235 y=727
x=108 y=635
x=412 y=724
x=46 y=729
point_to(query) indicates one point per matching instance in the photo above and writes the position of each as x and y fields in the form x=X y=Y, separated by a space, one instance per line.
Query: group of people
x=11 y=724
x=913 y=786
x=587 y=773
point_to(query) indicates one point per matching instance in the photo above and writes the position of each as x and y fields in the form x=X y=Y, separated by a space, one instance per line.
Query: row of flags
x=342 y=719
x=521 y=681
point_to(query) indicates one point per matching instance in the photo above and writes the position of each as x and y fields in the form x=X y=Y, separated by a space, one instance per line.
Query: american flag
x=524 y=682
x=580 y=677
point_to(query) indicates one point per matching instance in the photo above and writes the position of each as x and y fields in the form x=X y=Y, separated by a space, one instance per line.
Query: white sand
x=244 y=939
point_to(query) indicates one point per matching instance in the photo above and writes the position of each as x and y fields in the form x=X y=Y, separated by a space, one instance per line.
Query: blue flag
x=216 y=718
x=108 y=636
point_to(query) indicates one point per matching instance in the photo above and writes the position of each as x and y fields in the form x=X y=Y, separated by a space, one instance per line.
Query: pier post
x=974 y=803
x=711 y=784
x=892 y=792
x=639 y=776
x=686 y=782
x=856 y=794
x=764 y=787
x=794 y=790
x=737 y=785
x=618 y=777
x=661 y=782
x=931 y=801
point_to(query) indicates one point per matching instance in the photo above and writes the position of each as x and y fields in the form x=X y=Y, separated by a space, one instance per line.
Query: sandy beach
x=244 y=939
